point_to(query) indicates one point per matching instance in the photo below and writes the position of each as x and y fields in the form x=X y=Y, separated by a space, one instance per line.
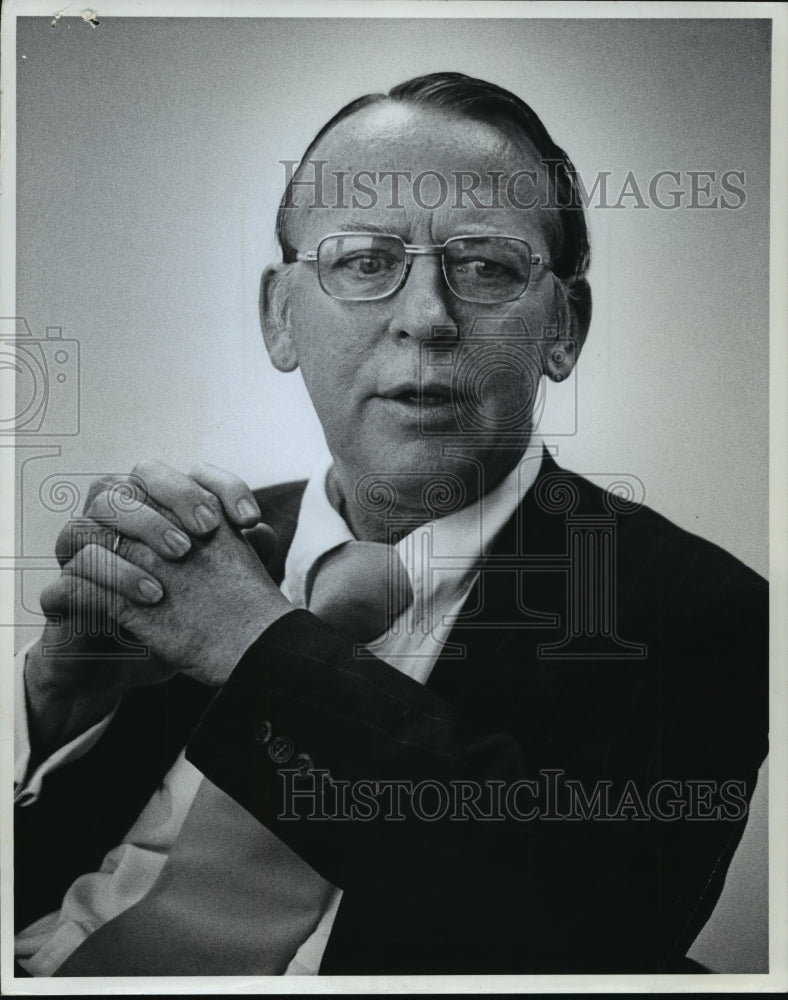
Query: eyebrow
x=357 y=227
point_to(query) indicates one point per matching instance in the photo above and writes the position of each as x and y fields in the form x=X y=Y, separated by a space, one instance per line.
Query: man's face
x=388 y=407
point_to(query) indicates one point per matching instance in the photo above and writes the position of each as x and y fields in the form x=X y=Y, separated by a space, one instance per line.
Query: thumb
x=263 y=540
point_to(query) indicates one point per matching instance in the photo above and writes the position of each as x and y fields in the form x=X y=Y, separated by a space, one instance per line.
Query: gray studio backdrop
x=148 y=177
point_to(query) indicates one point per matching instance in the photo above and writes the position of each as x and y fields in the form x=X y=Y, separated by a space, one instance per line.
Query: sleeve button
x=304 y=763
x=263 y=733
x=281 y=750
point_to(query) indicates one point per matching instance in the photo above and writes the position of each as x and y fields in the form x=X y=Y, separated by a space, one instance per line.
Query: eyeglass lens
x=477 y=268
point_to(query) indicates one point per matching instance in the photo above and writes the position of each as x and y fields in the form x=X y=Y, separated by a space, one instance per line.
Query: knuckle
x=136 y=552
x=145 y=465
x=81 y=560
x=126 y=495
x=98 y=486
x=123 y=546
x=99 y=505
x=150 y=521
x=215 y=477
x=65 y=543
x=136 y=487
x=199 y=470
x=51 y=595
x=148 y=471
x=92 y=553
x=118 y=495
x=67 y=572
x=149 y=513
x=225 y=475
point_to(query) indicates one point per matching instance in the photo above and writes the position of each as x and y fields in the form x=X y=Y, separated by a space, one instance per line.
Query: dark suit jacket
x=678 y=694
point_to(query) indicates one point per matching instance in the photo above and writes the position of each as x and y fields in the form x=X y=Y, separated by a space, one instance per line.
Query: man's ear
x=573 y=306
x=275 y=318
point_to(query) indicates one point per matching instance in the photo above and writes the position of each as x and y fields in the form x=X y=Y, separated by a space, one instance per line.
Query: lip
x=415 y=393
x=429 y=404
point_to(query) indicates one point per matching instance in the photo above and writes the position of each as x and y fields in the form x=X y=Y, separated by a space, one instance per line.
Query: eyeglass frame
x=423 y=250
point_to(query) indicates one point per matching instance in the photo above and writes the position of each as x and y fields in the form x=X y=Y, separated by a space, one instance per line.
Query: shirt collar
x=454 y=542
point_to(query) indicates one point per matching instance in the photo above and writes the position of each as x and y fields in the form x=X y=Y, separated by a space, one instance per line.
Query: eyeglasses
x=362 y=267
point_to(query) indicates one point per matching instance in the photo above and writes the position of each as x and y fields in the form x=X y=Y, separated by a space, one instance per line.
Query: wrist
x=245 y=631
x=44 y=683
x=59 y=706
x=61 y=678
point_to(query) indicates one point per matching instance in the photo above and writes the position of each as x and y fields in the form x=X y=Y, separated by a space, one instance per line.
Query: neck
x=385 y=511
x=379 y=512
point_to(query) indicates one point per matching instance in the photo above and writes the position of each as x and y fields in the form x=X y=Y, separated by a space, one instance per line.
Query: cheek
x=507 y=352
x=500 y=378
x=328 y=341
x=536 y=317
x=333 y=353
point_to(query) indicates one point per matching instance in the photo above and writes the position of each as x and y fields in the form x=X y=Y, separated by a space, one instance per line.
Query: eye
x=489 y=268
x=367 y=264
x=482 y=267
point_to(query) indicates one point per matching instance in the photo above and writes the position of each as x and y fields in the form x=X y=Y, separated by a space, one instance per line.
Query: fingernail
x=150 y=590
x=248 y=510
x=176 y=541
x=206 y=518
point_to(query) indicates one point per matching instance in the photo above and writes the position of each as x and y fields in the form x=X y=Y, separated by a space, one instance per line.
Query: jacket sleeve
x=428 y=820
x=87 y=805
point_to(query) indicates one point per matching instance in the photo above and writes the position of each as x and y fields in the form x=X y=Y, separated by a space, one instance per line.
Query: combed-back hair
x=485 y=102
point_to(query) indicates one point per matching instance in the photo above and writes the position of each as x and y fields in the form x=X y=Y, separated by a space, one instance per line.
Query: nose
x=422 y=303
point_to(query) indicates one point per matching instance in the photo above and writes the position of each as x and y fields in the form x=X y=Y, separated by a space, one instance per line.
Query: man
x=518 y=726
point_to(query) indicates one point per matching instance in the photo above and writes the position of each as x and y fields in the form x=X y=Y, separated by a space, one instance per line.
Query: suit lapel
x=490 y=658
x=508 y=611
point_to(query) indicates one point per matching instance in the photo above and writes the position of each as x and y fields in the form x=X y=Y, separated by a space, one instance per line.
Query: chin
x=418 y=477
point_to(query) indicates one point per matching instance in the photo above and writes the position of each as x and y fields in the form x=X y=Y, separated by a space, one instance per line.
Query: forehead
x=425 y=174
x=402 y=136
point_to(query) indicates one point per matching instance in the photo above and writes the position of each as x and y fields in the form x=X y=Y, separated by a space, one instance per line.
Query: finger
x=235 y=496
x=197 y=509
x=144 y=524
x=54 y=600
x=263 y=540
x=116 y=576
x=122 y=492
x=99 y=486
x=76 y=599
x=76 y=534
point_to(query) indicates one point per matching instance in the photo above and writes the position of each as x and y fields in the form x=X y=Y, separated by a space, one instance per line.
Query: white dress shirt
x=412 y=645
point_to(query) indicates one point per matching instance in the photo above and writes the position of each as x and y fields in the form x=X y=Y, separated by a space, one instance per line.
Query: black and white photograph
x=394 y=469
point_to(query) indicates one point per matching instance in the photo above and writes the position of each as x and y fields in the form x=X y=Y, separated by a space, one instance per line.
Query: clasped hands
x=187 y=579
